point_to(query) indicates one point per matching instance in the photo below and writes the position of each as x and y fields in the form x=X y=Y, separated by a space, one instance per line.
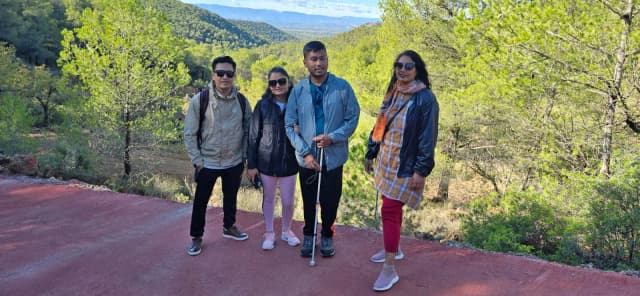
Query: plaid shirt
x=388 y=159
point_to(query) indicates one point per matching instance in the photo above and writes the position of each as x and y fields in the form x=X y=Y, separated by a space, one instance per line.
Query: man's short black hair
x=223 y=59
x=313 y=46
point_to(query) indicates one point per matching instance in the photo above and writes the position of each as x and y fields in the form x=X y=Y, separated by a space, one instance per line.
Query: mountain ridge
x=290 y=21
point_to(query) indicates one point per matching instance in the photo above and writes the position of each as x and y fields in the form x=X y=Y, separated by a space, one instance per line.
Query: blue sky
x=359 y=8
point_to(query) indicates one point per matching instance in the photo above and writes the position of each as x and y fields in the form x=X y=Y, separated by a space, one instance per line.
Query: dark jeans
x=206 y=179
x=330 y=192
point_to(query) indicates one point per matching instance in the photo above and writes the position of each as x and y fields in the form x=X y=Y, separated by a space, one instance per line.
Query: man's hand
x=198 y=167
x=368 y=166
x=311 y=162
x=251 y=174
x=322 y=141
x=416 y=183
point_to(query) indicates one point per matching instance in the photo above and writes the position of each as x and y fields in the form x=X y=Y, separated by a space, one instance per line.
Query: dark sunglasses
x=281 y=81
x=407 y=66
x=221 y=73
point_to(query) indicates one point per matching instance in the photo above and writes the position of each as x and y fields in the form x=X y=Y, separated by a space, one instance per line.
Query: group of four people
x=304 y=130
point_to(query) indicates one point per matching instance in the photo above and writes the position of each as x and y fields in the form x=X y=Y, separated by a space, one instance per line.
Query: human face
x=317 y=63
x=223 y=83
x=405 y=76
x=277 y=89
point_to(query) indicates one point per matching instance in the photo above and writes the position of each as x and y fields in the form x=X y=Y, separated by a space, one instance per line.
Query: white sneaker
x=290 y=238
x=269 y=241
x=379 y=257
x=386 y=279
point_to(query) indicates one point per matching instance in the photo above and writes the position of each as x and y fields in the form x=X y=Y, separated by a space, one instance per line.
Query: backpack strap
x=204 y=103
x=243 y=104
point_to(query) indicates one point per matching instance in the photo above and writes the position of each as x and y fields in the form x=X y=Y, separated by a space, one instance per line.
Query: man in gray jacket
x=322 y=113
x=217 y=146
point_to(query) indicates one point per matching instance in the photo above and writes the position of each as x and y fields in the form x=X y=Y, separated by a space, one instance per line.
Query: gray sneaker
x=234 y=233
x=386 y=279
x=196 y=246
x=327 y=249
x=307 y=246
x=379 y=257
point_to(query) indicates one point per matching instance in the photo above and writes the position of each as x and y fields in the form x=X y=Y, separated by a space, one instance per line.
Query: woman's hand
x=417 y=182
x=251 y=174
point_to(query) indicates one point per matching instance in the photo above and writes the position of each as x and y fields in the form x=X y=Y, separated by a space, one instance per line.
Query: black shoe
x=234 y=233
x=307 y=246
x=196 y=246
x=327 y=249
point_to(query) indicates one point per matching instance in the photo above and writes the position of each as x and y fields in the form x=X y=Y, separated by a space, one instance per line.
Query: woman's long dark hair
x=267 y=92
x=421 y=69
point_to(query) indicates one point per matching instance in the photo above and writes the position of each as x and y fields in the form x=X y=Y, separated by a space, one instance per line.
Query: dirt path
x=67 y=240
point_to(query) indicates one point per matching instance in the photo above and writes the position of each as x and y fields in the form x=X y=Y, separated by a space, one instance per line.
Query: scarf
x=390 y=98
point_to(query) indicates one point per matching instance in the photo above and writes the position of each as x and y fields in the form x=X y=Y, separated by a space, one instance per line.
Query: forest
x=539 y=134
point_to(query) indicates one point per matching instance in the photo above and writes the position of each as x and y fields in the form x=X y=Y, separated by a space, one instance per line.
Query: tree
x=588 y=45
x=126 y=57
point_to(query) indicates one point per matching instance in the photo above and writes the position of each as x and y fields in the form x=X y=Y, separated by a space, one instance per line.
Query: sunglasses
x=221 y=73
x=407 y=66
x=282 y=81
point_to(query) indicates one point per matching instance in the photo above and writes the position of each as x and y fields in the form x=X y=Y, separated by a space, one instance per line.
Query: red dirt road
x=66 y=240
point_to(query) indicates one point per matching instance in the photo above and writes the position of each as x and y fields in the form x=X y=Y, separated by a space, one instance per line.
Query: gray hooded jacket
x=224 y=132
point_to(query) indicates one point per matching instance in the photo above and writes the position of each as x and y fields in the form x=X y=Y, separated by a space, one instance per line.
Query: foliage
x=150 y=185
x=516 y=222
x=69 y=157
x=126 y=57
x=13 y=73
x=191 y=22
x=614 y=228
x=15 y=124
x=33 y=27
x=263 y=31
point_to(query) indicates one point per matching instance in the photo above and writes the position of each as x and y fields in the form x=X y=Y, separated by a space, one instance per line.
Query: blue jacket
x=341 y=114
x=419 y=138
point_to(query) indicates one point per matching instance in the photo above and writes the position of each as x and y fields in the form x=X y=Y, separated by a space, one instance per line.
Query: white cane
x=315 y=223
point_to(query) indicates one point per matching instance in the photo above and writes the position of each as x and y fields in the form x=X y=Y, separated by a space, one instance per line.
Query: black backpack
x=204 y=103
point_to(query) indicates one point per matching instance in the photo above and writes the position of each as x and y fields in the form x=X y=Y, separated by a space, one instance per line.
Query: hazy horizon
x=354 y=8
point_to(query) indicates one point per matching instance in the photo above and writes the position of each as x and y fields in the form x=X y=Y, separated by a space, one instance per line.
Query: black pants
x=330 y=192
x=206 y=179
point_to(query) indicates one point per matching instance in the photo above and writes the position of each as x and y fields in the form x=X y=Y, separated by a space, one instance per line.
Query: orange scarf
x=389 y=99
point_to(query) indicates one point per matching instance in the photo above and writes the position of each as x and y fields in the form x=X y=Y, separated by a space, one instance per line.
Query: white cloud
x=358 y=8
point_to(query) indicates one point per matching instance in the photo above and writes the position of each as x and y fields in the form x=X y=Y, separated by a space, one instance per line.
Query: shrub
x=15 y=123
x=70 y=157
x=151 y=185
x=515 y=222
x=614 y=225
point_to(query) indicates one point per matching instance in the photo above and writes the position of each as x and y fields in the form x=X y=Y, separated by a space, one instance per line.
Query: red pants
x=391 y=223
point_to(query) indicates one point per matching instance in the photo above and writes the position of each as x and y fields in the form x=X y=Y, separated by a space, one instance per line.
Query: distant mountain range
x=204 y=26
x=299 y=24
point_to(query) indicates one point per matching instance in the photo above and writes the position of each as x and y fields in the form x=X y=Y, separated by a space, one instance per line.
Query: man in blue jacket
x=322 y=113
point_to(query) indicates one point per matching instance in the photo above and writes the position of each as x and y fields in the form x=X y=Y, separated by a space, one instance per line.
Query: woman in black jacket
x=272 y=156
x=403 y=143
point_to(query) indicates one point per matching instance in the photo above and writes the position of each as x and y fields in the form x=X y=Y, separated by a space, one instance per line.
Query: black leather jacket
x=419 y=138
x=269 y=148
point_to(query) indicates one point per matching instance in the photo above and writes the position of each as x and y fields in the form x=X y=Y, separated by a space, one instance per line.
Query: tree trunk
x=451 y=151
x=127 y=144
x=614 y=91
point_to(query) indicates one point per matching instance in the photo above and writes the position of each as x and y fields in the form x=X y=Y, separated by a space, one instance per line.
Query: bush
x=516 y=222
x=15 y=123
x=614 y=225
x=151 y=185
x=70 y=157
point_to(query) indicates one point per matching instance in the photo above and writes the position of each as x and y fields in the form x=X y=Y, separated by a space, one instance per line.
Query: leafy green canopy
x=128 y=60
